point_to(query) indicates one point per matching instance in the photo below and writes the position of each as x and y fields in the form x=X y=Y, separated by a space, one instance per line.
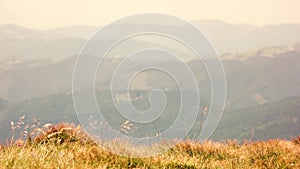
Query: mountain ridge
x=60 y=43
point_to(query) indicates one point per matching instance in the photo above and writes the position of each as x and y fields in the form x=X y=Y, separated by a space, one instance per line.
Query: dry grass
x=66 y=146
x=296 y=140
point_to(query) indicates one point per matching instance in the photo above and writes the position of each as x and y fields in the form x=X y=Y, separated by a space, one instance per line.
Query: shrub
x=296 y=140
x=61 y=133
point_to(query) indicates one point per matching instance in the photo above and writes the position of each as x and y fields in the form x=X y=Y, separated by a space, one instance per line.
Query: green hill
x=278 y=119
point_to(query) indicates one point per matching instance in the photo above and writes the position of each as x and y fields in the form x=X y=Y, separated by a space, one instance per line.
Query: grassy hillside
x=66 y=149
x=278 y=119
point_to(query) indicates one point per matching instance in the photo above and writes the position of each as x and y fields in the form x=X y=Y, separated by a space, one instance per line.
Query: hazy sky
x=57 y=13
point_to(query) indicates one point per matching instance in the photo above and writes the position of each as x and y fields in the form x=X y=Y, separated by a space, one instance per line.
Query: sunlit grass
x=69 y=148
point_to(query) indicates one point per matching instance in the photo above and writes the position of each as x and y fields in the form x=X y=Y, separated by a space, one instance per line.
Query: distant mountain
x=258 y=79
x=17 y=42
x=3 y=104
x=272 y=120
x=22 y=80
x=242 y=37
x=18 y=32
x=253 y=77
x=278 y=119
x=27 y=44
x=262 y=97
x=267 y=52
x=261 y=66
x=82 y=32
x=3 y=114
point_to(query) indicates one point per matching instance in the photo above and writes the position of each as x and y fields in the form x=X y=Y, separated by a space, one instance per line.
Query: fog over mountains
x=18 y=42
x=261 y=66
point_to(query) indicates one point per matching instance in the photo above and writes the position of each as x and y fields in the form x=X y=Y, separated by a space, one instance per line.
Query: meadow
x=67 y=146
